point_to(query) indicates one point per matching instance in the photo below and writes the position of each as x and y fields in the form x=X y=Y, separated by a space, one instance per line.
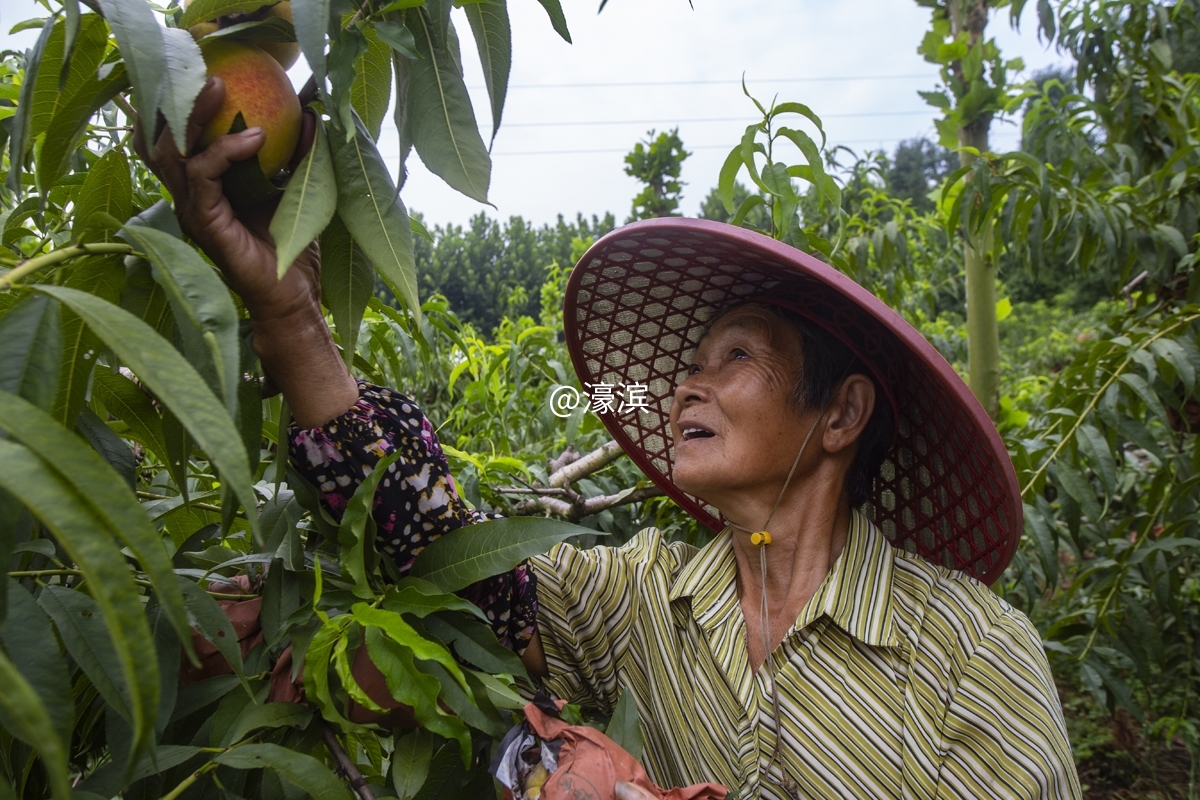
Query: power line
x=629 y=84
x=626 y=150
x=664 y=121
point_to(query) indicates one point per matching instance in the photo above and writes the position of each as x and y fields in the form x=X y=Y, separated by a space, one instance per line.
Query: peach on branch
x=257 y=88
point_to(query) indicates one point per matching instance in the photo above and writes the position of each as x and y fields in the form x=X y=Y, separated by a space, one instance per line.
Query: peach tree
x=145 y=498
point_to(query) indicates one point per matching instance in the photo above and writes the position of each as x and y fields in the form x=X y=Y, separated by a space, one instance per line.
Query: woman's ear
x=849 y=413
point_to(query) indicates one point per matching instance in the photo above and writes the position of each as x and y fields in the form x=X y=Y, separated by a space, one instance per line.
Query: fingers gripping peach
x=257 y=88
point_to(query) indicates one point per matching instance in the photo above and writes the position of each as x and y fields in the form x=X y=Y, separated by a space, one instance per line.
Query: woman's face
x=733 y=420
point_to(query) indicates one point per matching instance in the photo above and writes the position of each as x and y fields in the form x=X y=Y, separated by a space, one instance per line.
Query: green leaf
x=401 y=632
x=30 y=642
x=140 y=39
x=271 y=29
x=1073 y=482
x=749 y=204
x=203 y=310
x=182 y=81
x=302 y=771
x=824 y=185
x=557 y=19
x=493 y=39
x=372 y=212
x=624 y=727
x=101 y=277
x=70 y=121
x=205 y=10
x=1095 y=445
x=125 y=401
x=372 y=87
x=107 y=189
x=18 y=140
x=210 y=621
x=1174 y=354
x=352 y=531
x=1139 y=386
x=203 y=694
x=402 y=70
x=802 y=110
x=281 y=598
x=1046 y=18
x=410 y=763
x=168 y=646
x=268 y=715
x=476 y=711
x=443 y=124
x=174 y=382
x=111 y=447
x=24 y=707
x=729 y=171
x=106 y=781
x=71 y=15
x=475 y=643
x=179 y=451
x=316 y=665
x=499 y=693
x=421 y=598
x=81 y=628
x=311 y=19
x=84 y=533
x=489 y=548
x=415 y=689
x=308 y=205
x=55 y=85
x=1045 y=541
x=30 y=351
x=397 y=37
x=250 y=419
x=347 y=283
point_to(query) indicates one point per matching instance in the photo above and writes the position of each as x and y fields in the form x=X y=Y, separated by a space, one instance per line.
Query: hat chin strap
x=761 y=539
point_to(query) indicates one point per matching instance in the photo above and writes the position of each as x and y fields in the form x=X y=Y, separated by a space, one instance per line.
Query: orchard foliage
x=143 y=466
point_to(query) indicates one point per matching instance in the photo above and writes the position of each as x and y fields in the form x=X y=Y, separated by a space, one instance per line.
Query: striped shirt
x=898 y=680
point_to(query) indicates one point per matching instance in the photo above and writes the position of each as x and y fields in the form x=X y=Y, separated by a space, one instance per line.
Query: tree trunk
x=983 y=333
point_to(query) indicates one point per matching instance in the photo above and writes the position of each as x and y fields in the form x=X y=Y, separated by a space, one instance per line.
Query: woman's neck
x=808 y=533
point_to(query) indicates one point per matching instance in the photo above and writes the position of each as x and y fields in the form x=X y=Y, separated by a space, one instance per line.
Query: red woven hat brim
x=636 y=307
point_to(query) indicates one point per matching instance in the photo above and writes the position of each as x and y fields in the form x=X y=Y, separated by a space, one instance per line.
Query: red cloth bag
x=590 y=764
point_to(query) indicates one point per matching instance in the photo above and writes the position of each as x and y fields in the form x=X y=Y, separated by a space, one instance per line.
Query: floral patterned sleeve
x=415 y=503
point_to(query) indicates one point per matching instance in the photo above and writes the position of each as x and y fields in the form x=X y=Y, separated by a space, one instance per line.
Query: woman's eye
x=737 y=352
x=693 y=369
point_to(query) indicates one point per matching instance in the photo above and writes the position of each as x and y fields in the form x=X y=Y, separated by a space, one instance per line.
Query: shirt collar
x=856 y=594
x=709 y=579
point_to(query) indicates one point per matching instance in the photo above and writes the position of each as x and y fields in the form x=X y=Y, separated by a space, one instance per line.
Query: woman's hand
x=290 y=335
x=238 y=244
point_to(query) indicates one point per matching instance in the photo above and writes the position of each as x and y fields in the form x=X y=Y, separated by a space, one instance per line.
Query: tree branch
x=580 y=507
x=592 y=462
x=345 y=765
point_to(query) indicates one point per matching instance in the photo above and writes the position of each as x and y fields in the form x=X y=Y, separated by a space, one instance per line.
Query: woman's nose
x=693 y=388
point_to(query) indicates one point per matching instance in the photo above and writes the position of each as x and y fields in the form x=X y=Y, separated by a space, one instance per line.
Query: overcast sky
x=574 y=110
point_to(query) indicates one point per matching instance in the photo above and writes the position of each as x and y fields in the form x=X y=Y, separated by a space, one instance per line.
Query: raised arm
x=339 y=432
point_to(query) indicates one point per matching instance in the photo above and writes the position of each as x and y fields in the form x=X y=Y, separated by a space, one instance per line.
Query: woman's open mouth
x=691 y=432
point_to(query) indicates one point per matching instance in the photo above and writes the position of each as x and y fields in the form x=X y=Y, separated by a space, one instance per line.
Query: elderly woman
x=837 y=638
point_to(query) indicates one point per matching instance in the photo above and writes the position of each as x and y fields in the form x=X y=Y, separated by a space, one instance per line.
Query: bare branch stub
x=560 y=500
x=581 y=468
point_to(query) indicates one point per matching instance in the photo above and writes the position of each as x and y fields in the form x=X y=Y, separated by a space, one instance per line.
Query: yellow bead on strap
x=762 y=537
